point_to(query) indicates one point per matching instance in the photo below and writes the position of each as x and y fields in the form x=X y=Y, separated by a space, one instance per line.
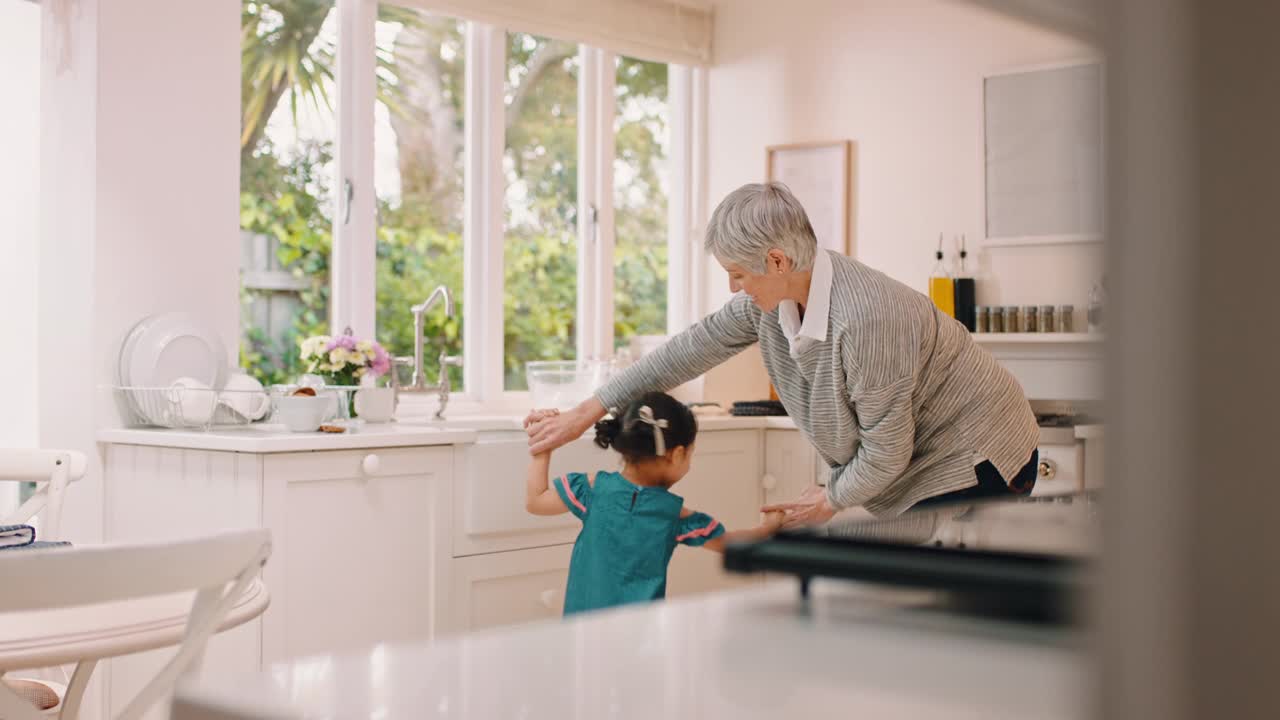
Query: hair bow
x=645 y=415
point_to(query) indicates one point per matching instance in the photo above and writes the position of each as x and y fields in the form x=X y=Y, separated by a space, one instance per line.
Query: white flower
x=338 y=357
x=364 y=346
x=312 y=346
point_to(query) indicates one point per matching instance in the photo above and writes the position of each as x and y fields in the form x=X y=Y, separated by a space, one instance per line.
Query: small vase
x=346 y=398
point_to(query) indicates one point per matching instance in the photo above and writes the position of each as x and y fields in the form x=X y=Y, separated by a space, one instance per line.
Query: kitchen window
x=541 y=180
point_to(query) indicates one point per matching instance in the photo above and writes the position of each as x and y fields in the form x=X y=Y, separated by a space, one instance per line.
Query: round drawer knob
x=548 y=598
x=769 y=482
x=1047 y=469
x=371 y=464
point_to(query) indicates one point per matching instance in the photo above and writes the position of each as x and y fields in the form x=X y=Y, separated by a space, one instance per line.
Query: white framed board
x=818 y=175
x=1043 y=154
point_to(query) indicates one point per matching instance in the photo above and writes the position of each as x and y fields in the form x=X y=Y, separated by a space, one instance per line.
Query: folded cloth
x=16 y=535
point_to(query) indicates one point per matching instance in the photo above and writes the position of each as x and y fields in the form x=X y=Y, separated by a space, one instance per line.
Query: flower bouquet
x=344 y=360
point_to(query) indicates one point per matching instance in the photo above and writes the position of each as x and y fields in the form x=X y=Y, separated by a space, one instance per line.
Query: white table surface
x=745 y=654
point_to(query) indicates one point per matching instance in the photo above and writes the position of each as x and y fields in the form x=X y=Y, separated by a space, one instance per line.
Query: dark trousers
x=991 y=484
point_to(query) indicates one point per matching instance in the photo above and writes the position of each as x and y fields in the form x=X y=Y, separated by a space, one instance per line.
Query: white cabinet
x=724 y=482
x=791 y=465
x=506 y=588
x=360 y=542
x=357 y=553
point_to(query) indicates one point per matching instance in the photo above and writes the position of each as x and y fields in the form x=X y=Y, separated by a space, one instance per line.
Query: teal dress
x=628 y=535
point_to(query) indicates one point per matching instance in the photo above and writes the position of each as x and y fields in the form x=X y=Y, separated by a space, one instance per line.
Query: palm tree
x=277 y=55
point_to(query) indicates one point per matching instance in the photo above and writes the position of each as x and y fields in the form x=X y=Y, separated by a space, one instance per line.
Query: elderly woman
x=894 y=395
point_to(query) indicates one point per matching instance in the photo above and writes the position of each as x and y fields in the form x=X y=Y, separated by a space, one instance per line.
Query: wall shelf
x=1055 y=338
x=1040 y=241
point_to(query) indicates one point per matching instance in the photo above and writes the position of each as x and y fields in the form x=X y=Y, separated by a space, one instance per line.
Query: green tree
x=419 y=240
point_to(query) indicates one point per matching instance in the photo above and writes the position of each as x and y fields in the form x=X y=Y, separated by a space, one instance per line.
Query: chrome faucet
x=419 y=383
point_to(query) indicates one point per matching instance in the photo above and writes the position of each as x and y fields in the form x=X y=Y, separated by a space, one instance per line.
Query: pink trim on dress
x=700 y=532
x=564 y=482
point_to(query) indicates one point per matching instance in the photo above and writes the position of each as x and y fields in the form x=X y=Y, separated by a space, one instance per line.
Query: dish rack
x=183 y=407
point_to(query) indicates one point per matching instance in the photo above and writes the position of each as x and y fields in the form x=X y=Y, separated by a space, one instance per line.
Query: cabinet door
x=791 y=465
x=360 y=556
x=724 y=483
x=508 y=588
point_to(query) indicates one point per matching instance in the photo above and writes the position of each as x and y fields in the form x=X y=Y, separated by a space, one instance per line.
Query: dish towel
x=16 y=535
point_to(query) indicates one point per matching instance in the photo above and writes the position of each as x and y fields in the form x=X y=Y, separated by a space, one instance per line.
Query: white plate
x=174 y=345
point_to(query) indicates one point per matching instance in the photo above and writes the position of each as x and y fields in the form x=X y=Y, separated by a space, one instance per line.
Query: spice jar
x=1065 y=320
x=995 y=319
x=980 y=321
x=1027 y=320
x=1011 y=324
x=1047 y=324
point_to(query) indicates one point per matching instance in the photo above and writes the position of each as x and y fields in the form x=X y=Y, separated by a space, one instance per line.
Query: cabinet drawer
x=1061 y=470
x=489 y=514
x=509 y=588
x=371 y=462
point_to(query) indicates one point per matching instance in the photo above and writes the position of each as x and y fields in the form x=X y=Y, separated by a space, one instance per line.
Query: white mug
x=375 y=404
x=246 y=396
x=193 y=401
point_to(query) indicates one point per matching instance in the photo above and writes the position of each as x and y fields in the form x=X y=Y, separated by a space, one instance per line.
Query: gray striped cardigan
x=898 y=399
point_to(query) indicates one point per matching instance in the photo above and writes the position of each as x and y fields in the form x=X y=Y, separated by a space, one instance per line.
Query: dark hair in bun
x=629 y=433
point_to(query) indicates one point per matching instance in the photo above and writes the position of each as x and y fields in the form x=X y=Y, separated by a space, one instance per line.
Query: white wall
x=902 y=79
x=19 y=215
x=139 y=199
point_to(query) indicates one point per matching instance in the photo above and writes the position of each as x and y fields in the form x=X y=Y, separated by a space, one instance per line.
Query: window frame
x=353 y=269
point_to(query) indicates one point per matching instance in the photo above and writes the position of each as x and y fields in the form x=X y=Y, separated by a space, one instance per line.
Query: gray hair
x=756 y=218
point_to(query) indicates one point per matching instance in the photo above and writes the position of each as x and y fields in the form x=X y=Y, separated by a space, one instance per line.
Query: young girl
x=631 y=521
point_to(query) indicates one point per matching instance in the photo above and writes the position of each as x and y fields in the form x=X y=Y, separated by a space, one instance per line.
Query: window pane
x=418 y=177
x=642 y=179
x=541 y=168
x=286 y=166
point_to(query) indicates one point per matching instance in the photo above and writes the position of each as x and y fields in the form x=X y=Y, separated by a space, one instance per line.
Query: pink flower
x=381 y=361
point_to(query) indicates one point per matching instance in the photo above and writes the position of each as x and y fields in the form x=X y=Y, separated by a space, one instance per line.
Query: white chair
x=79 y=605
x=52 y=471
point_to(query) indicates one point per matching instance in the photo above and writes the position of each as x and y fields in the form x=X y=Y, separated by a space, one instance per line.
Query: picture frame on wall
x=817 y=173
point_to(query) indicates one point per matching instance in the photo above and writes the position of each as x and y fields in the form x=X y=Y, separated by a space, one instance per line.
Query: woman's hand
x=811 y=508
x=548 y=432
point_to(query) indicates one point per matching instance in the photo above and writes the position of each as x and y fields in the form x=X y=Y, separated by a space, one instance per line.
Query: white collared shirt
x=816 y=309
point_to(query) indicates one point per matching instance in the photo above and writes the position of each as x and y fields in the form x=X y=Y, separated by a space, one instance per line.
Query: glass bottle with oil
x=942 y=290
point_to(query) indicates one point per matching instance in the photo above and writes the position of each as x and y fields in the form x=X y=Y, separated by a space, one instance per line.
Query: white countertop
x=264 y=438
x=1089 y=432
x=743 y=654
x=275 y=438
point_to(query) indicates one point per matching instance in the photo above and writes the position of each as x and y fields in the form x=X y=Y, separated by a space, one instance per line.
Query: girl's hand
x=536 y=416
x=811 y=508
x=553 y=431
x=773 y=520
